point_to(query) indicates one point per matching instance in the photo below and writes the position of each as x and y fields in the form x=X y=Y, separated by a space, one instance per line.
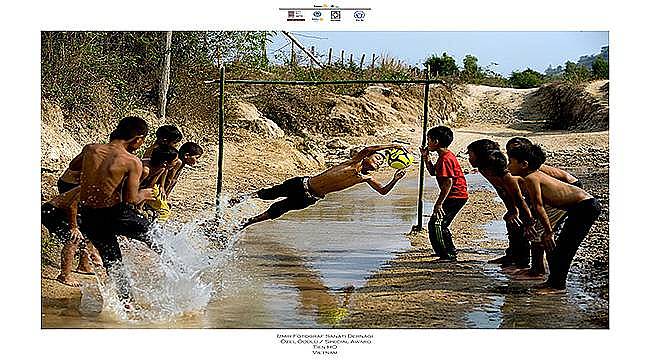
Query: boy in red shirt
x=453 y=190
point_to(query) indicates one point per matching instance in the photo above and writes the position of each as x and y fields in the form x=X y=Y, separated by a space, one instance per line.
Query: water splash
x=180 y=280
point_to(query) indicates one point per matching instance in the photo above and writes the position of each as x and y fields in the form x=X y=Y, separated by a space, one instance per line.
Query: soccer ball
x=398 y=158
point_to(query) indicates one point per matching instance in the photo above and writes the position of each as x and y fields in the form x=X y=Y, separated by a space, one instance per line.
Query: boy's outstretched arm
x=535 y=193
x=385 y=189
x=369 y=150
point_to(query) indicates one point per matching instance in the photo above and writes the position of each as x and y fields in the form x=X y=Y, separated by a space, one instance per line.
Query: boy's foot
x=528 y=276
x=85 y=270
x=68 y=280
x=547 y=290
x=505 y=259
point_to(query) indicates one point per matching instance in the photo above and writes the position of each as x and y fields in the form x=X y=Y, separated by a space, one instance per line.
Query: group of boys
x=539 y=199
x=106 y=188
x=107 y=191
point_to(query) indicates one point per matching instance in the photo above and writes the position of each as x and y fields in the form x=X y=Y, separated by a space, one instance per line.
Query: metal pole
x=222 y=82
x=418 y=227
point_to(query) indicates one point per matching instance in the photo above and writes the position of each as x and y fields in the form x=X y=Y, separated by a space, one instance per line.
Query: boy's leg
x=281 y=190
x=84 y=266
x=520 y=246
x=576 y=227
x=67 y=256
x=451 y=208
x=280 y=208
x=435 y=236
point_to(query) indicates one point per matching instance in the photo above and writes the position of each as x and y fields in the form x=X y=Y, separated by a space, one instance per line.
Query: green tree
x=471 y=71
x=444 y=65
x=576 y=73
x=600 y=68
x=526 y=79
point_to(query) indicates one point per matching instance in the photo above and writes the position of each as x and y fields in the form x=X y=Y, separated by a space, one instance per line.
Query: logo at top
x=359 y=15
x=295 y=15
x=335 y=15
x=317 y=15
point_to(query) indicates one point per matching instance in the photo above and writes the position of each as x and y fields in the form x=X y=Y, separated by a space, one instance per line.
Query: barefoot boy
x=301 y=192
x=485 y=155
x=582 y=211
x=59 y=216
x=555 y=216
x=453 y=190
x=109 y=192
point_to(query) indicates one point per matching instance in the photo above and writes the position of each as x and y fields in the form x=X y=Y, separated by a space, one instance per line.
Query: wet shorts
x=297 y=193
x=56 y=221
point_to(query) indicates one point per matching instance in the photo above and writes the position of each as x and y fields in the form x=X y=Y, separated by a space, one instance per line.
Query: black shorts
x=102 y=226
x=64 y=187
x=297 y=194
x=56 y=221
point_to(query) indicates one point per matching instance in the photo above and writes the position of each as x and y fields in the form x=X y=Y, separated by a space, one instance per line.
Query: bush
x=444 y=65
x=576 y=73
x=526 y=79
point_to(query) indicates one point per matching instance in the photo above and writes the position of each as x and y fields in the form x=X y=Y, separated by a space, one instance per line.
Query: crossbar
x=326 y=82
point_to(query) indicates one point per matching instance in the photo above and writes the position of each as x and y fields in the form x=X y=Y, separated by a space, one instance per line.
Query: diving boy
x=109 y=194
x=485 y=155
x=453 y=190
x=582 y=211
x=301 y=192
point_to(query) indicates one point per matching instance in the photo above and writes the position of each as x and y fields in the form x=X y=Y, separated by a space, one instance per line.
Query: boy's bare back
x=105 y=168
x=554 y=192
x=336 y=178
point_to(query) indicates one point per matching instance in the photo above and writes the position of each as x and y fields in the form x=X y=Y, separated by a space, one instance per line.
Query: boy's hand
x=547 y=240
x=424 y=151
x=147 y=194
x=75 y=236
x=512 y=219
x=529 y=232
x=438 y=211
x=399 y=174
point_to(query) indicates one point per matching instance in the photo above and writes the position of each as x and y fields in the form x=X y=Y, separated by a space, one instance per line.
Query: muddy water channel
x=301 y=270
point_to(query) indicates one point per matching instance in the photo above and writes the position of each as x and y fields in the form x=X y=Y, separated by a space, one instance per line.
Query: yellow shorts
x=159 y=205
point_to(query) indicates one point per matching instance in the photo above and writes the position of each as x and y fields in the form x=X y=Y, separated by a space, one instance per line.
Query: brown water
x=298 y=271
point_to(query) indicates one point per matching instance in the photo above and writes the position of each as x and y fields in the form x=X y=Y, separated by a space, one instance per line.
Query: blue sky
x=511 y=50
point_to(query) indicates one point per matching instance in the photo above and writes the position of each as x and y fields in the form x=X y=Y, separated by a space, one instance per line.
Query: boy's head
x=494 y=163
x=439 y=137
x=163 y=155
x=522 y=160
x=190 y=153
x=131 y=129
x=168 y=135
x=478 y=149
x=518 y=141
x=373 y=162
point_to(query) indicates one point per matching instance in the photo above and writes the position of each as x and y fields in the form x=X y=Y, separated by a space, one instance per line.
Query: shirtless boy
x=582 y=211
x=301 y=192
x=555 y=216
x=59 y=216
x=188 y=154
x=109 y=192
x=485 y=155
x=162 y=159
